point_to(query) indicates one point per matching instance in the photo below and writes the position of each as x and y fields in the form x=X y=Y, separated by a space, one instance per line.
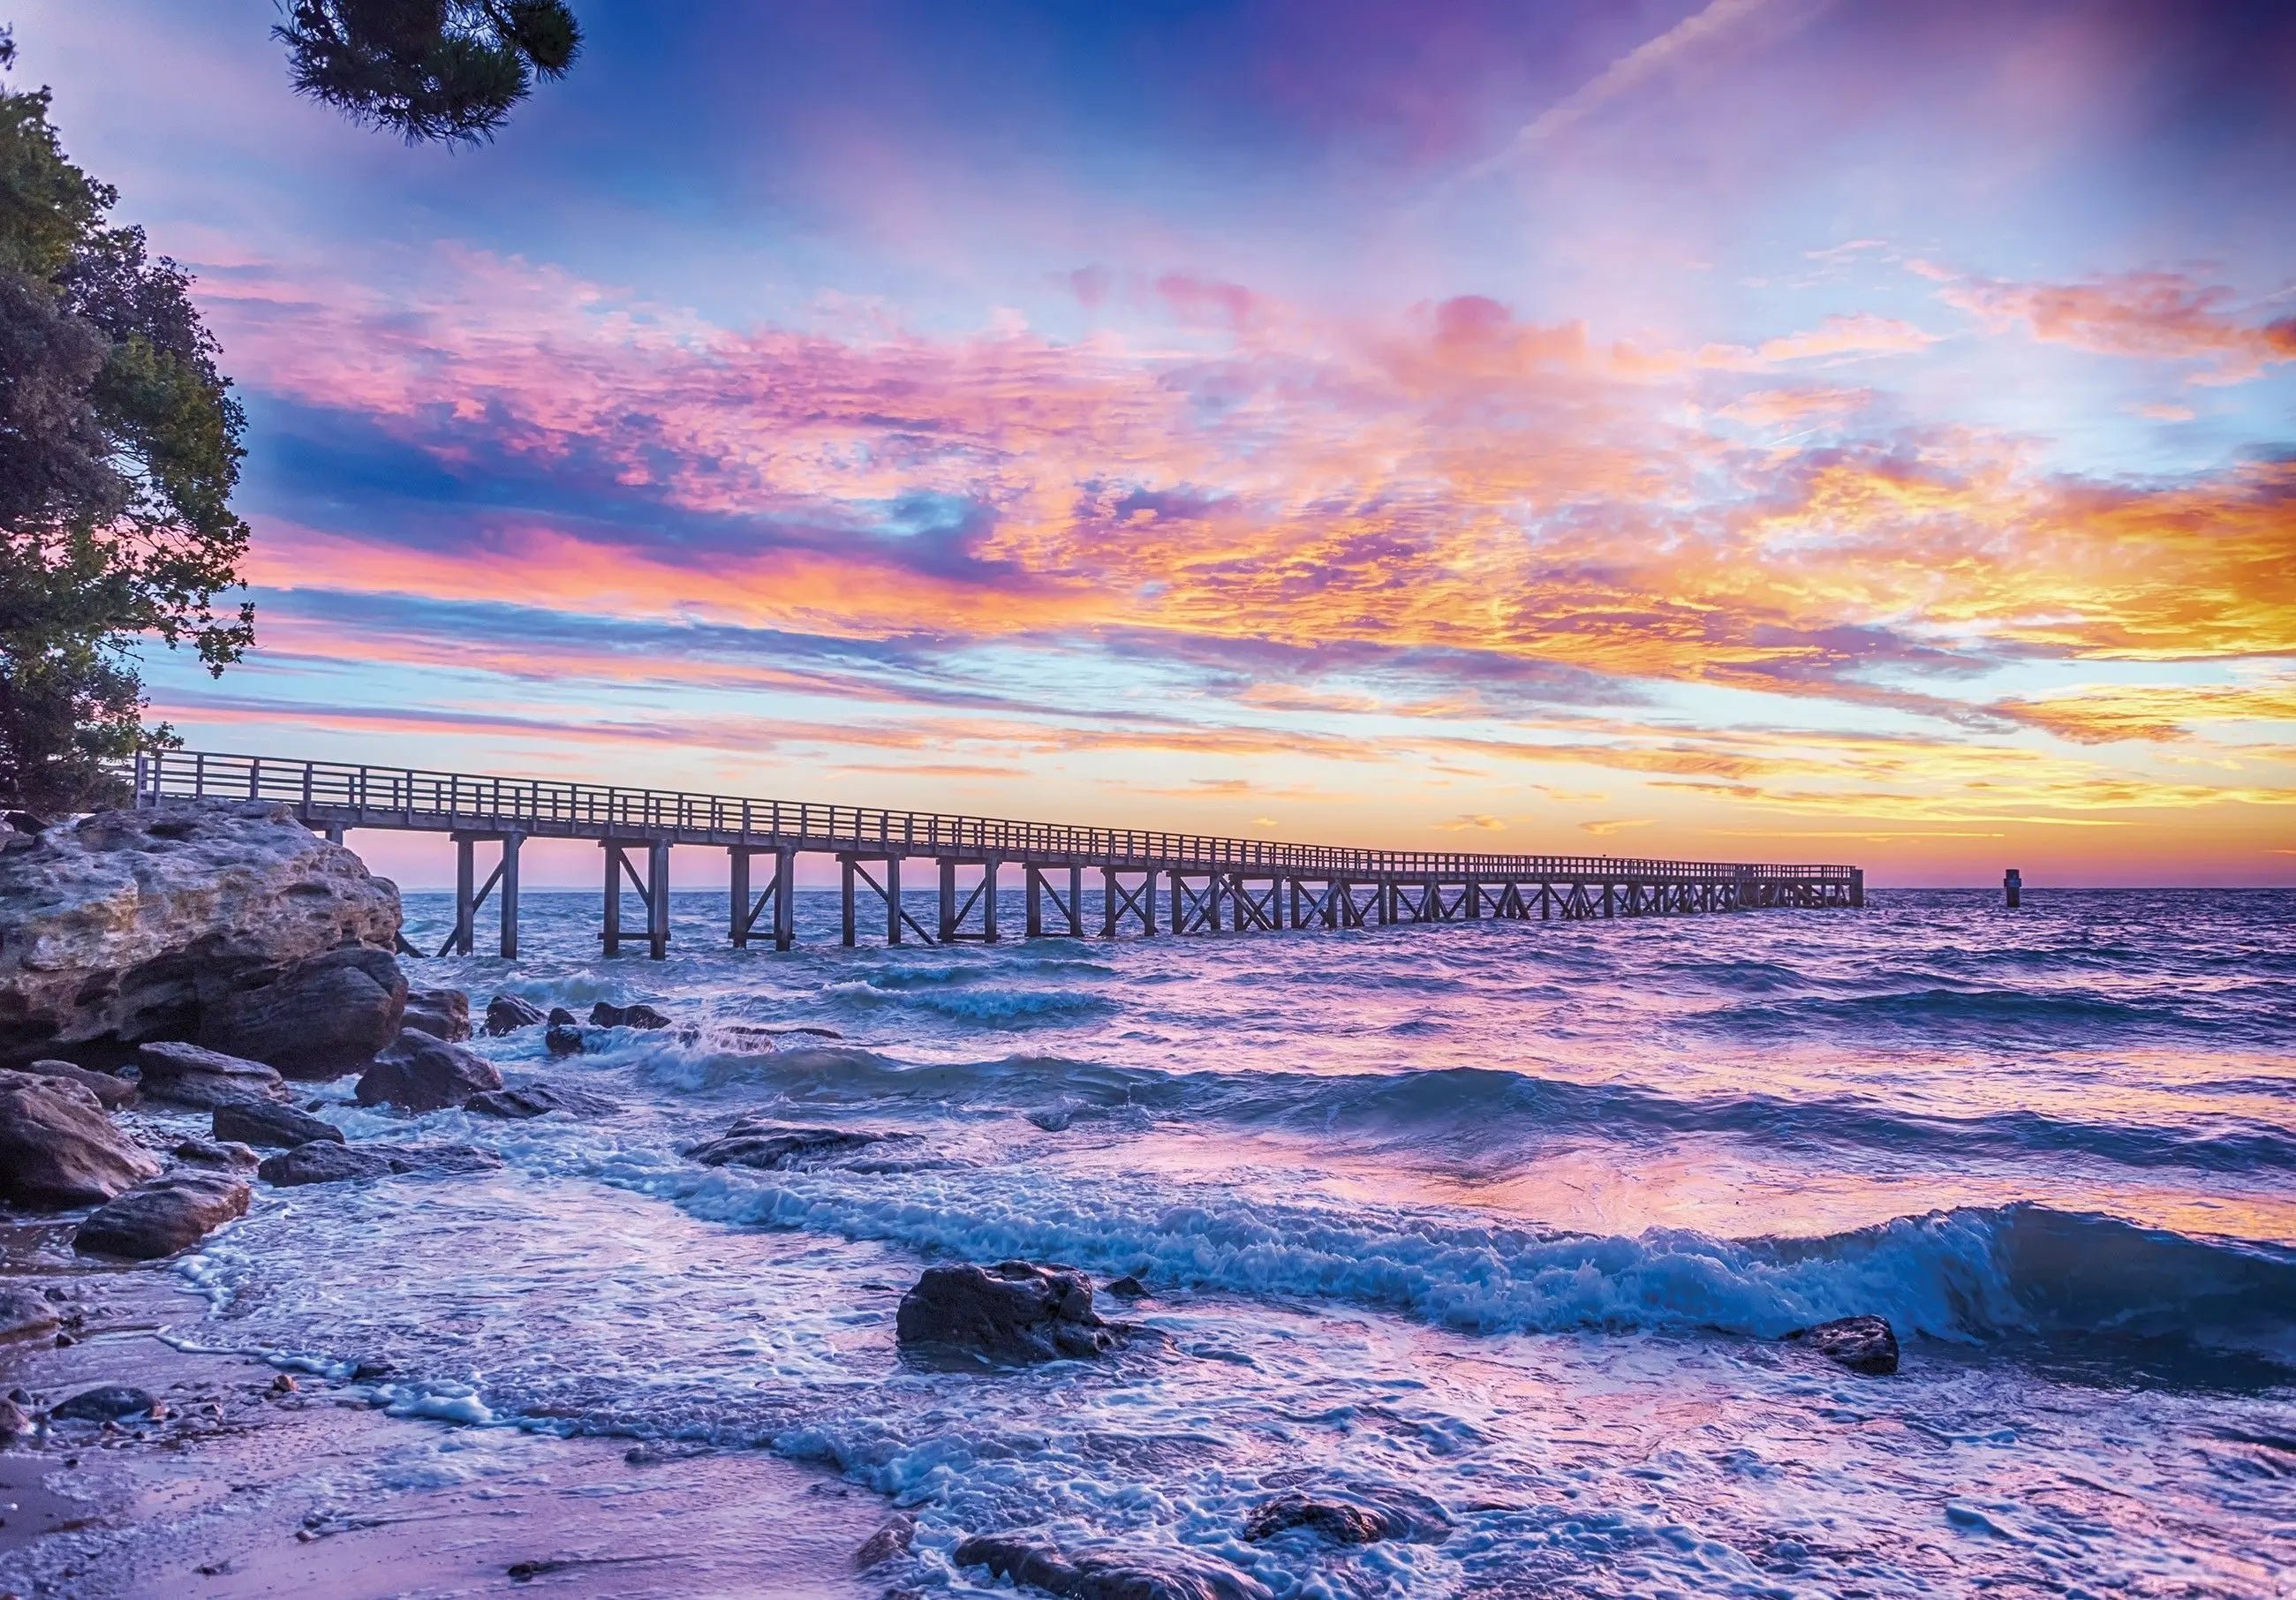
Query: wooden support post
x=1608 y=904
x=657 y=899
x=948 y=901
x=1035 y=897
x=334 y=833
x=784 y=897
x=1108 y=902
x=1856 y=888
x=892 y=900
x=466 y=882
x=1179 y=906
x=2013 y=888
x=738 y=893
x=988 y=900
x=612 y=937
x=846 y=864
x=1546 y=893
x=509 y=892
x=1076 y=901
x=1474 y=901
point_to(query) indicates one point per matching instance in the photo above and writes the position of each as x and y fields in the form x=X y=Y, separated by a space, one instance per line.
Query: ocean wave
x=996 y=1005
x=2063 y=1017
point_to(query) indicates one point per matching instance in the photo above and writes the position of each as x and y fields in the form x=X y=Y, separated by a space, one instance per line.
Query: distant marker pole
x=2012 y=886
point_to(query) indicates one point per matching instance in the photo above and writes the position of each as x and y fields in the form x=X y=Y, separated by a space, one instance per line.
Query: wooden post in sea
x=2012 y=886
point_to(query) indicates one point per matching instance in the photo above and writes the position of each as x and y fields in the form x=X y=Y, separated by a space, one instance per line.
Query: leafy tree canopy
x=427 y=70
x=118 y=453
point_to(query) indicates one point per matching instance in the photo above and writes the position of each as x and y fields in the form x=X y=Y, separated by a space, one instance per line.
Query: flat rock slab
x=539 y=1100
x=111 y=1403
x=1109 y=1574
x=281 y=1126
x=1015 y=1311
x=1347 y=1519
x=227 y=1154
x=322 y=1161
x=59 y=1148
x=159 y=1218
x=195 y=1075
x=113 y=1094
x=421 y=1073
x=424 y=1161
x=758 y=1142
x=1863 y=1344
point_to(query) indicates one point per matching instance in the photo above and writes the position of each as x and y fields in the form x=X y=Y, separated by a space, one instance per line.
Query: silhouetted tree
x=427 y=70
x=118 y=453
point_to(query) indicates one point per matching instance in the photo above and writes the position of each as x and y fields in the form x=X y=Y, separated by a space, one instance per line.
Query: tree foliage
x=427 y=70
x=118 y=453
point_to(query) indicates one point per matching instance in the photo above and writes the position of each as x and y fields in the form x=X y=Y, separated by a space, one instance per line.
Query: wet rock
x=227 y=1154
x=890 y=1540
x=159 y=1218
x=507 y=1014
x=1863 y=1344
x=321 y=1161
x=539 y=1100
x=1109 y=1574
x=113 y=1094
x=1014 y=1311
x=421 y=1073
x=1348 y=1520
x=111 y=1403
x=58 y=1148
x=317 y=1018
x=756 y=1142
x=282 y=1127
x=25 y=1312
x=560 y=1017
x=126 y=927
x=562 y=1039
x=193 y=1075
x=438 y=1159
x=603 y=1016
x=441 y=1013
x=1128 y=1287
x=15 y=1422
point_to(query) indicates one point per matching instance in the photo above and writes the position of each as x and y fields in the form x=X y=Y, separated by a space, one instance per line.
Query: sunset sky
x=1769 y=430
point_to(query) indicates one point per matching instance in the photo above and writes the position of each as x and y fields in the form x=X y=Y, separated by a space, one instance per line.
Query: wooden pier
x=1149 y=881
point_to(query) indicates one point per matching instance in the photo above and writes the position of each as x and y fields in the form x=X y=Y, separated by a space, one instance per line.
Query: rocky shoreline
x=218 y=962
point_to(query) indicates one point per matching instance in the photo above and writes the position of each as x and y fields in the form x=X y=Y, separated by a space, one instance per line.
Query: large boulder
x=1014 y=1311
x=162 y=1217
x=761 y=1142
x=194 y=1075
x=507 y=1014
x=114 y=1093
x=441 y=1013
x=1164 y=1574
x=317 y=1018
x=421 y=1073
x=129 y=926
x=58 y=1148
x=279 y=1126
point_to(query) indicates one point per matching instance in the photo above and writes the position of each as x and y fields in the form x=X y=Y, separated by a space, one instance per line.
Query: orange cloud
x=2150 y=315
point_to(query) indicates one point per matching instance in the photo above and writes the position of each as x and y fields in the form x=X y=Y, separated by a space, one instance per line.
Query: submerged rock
x=25 y=1312
x=1109 y=1574
x=225 y=1154
x=1014 y=1311
x=317 y=1018
x=127 y=926
x=441 y=1013
x=113 y=1094
x=193 y=1075
x=1350 y=1519
x=111 y=1403
x=421 y=1073
x=15 y=1422
x=162 y=1217
x=563 y=1037
x=539 y=1100
x=1863 y=1344
x=58 y=1148
x=322 y=1161
x=603 y=1016
x=263 y=1123
x=507 y=1014
x=756 y=1142
x=890 y=1540
x=431 y=1160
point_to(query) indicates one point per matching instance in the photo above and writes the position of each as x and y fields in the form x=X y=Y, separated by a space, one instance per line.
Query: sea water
x=1509 y=1216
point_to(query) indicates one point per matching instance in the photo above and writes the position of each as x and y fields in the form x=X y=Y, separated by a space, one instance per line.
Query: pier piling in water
x=1214 y=885
x=2012 y=887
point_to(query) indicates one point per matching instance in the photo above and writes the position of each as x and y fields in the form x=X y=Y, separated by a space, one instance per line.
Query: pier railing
x=343 y=795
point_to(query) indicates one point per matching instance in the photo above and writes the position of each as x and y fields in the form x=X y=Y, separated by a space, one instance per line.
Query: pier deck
x=1188 y=883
